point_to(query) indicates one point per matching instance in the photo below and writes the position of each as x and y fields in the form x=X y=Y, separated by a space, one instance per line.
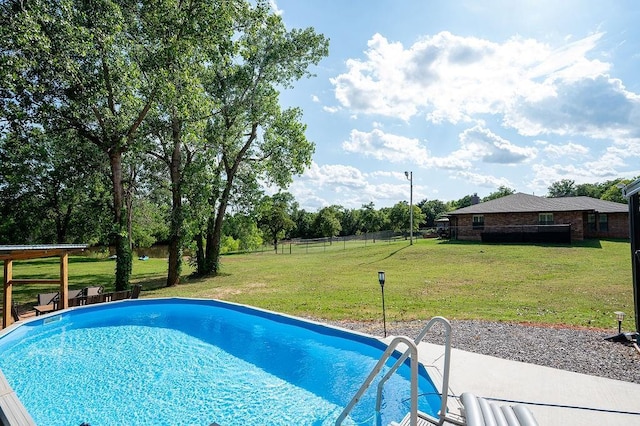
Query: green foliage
x=400 y=217
x=251 y=136
x=244 y=230
x=502 y=191
x=229 y=245
x=611 y=191
x=274 y=216
x=432 y=210
x=58 y=176
x=304 y=224
x=326 y=222
x=562 y=188
x=123 y=263
x=371 y=219
x=149 y=223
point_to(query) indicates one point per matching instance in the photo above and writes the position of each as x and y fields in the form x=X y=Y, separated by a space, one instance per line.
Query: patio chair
x=120 y=295
x=135 y=293
x=72 y=294
x=96 y=298
x=47 y=302
x=14 y=312
x=93 y=291
x=48 y=298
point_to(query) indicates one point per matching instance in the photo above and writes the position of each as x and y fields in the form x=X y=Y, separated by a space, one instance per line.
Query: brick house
x=527 y=218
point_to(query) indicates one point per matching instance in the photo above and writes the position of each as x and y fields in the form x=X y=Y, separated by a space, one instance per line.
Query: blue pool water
x=195 y=362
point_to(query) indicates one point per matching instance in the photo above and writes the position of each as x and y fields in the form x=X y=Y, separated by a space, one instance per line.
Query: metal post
x=634 y=222
x=409 y=176
x=632 y=192
x=384 y=316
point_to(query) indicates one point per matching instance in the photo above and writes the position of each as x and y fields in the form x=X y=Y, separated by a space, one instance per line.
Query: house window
x=591 y=222
x=603 y=222
x=545 y=219
x=478 y=221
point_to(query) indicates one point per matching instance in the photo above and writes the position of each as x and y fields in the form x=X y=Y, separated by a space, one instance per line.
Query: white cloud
x=386 y=147
x=322 y=185
x=336 y=175
x=596 y=107
x=536 y=88
x=483 y=144
x=314 y=98
x=571 y=150
x=275 y=7
x=486 y=181
x=330 y=110
x=545 y=175
x=478 y=144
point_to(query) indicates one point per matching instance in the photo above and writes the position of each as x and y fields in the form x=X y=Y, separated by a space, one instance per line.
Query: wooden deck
x=12 y=412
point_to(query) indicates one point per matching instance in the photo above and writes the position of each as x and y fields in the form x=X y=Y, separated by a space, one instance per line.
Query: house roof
x=525 y=203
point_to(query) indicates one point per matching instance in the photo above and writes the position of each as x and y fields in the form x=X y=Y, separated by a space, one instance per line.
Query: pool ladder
x=412 y=351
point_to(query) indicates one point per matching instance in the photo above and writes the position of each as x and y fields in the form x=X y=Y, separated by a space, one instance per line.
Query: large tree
x=253 y=138
x=192 y=35
x=502 y=191
x=327 y=222
x=432 y=210
x=371 y=219
x=400 y=217
x=562 y=188
x=87 y=66
x=274 y=216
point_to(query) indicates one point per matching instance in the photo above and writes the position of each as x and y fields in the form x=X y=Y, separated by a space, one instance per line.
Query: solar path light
x=619 y=318
x=381 y=280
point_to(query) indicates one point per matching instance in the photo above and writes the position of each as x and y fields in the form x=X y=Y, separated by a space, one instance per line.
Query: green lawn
x=580 y=285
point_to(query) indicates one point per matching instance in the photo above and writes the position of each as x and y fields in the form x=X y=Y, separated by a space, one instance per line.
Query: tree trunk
x=123 y=252
x=214 y=233
x=214 y=257
x=128 y=200
x=175 y=232
x=199 y=255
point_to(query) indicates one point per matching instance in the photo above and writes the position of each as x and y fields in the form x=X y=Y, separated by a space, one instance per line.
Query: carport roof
x=19 y=252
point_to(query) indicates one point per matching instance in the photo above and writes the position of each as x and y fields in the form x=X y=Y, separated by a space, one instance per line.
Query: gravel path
x=573 y=349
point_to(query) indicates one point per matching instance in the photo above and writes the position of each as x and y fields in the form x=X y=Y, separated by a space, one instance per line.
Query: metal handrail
x=411 y=351
x=445 y=376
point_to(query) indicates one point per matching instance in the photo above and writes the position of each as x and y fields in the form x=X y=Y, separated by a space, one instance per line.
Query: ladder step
x=422 y=420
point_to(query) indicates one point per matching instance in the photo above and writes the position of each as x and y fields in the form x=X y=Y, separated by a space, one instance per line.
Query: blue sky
x=468 y=95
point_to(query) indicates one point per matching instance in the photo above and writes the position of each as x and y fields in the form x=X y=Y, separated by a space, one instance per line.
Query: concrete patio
x=555 y=397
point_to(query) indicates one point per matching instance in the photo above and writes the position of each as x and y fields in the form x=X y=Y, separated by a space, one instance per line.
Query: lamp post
x=384 y=316
x=409 y=175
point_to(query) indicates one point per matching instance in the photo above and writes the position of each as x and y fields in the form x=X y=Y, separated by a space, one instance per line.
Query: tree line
x=268 y=221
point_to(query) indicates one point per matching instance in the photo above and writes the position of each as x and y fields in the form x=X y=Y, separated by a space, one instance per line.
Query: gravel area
x=573 y=349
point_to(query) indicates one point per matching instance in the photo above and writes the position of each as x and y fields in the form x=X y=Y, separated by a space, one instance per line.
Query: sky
x=466 y=96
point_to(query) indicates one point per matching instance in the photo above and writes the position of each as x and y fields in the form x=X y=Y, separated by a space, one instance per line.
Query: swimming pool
x=195 y=362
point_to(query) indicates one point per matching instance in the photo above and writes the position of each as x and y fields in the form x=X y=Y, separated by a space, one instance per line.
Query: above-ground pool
x=196 y=362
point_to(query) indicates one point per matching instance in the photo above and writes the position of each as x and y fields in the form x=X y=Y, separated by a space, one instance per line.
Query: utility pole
x=409 y=175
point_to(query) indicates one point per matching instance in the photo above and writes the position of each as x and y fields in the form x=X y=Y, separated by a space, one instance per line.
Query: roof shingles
x=525 y=203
